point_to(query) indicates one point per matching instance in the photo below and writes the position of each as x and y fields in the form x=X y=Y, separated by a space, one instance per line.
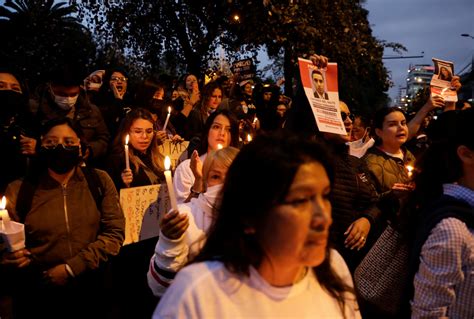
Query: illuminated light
x=236 y=17
x=219 y=146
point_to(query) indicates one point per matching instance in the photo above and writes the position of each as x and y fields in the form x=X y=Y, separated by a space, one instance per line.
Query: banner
x=244 y=68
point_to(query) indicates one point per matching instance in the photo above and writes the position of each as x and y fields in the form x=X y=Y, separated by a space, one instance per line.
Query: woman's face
x=190 y=80
x=296 y=232
x=216 y=175
x=174 y=95
x=219 y=133
x=358 y=130
x=215 y=99
x=119 y=81
x=248 y=89
x=394 y=130
x=141 y=134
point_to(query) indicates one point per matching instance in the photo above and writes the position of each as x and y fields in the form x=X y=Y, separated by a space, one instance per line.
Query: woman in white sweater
x=266 y=254
x=183 y=233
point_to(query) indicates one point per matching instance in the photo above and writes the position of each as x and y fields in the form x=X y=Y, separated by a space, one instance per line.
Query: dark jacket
x=86 y=115
x=353 y=196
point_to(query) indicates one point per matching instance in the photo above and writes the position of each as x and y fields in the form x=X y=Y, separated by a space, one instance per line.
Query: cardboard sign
x=174 y=151
x=142 y=207
x=244 y=68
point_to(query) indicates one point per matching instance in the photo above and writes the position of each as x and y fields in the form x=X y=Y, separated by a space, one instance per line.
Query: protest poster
x=244 y=68
x=142 y=207
x=320 y=86
x=173 y=150
x=441 y=80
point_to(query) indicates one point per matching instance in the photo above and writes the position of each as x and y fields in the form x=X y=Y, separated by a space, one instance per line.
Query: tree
x=174 y=35
x=37 y=35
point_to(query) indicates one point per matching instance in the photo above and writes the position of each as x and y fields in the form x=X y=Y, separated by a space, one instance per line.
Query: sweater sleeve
x=170 y=256
x=183 y=180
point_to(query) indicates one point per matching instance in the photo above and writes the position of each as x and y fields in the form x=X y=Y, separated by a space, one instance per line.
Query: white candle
x=409 y=170
x=167 y=118
x=219 y=146
x=4 y=214
x=127 y=158
x=249 y=138
x=169 y=183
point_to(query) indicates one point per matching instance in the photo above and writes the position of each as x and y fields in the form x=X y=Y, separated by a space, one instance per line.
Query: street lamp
x=467 y=35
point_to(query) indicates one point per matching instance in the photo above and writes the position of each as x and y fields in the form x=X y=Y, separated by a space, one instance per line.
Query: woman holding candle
x=221 y=128
x=146 y=161
x=70 y=235
x=192 y=220
x=388 y=159
x=267 y=256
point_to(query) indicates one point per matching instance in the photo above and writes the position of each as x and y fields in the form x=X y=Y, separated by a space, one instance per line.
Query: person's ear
x=378 y=132
x=465 y=154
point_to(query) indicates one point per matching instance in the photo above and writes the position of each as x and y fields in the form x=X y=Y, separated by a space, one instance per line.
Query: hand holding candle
x=13 y=233
x=127 y=158
x=167 y=118
x=4 y=214
x=169 y=183
x=409 y=170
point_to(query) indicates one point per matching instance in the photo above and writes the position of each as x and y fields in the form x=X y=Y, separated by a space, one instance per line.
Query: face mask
x=358 y=148
x=59 y=159
x=64 y=102
x=11 y=103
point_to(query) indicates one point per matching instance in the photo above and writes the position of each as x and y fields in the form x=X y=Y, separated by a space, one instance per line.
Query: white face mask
x=65 y=102
x=358 y=148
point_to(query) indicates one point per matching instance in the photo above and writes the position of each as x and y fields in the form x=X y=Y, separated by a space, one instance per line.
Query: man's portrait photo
x=318 y=85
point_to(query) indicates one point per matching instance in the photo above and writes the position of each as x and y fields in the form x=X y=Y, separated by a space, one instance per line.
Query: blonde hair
x=223 y=157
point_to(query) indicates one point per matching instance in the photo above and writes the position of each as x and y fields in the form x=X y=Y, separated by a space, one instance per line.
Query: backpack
x=28 y=187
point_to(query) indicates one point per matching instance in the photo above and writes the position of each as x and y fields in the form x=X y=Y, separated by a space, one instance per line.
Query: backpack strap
x=28 y=188
x=25 y=198
x=95 y=185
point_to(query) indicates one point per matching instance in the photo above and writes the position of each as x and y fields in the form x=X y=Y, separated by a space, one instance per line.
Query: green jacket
x=64 y=224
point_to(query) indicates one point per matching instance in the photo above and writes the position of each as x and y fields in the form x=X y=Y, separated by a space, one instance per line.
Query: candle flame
x=167 y=163
x=3 y=203
x=255 y=120
x=169 y=109
x=409 y=168
x=249 y=138
x=126 y=139
x=219 y=146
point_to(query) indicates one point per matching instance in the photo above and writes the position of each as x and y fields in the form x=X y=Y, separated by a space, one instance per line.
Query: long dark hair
x=379 y=118
x=248 y=201
x=440 y=164
x=206 y=94
x=234 y=130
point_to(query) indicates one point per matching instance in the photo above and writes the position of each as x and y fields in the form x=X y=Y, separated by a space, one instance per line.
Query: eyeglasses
x=344 y=116
x=118 y=78
x=67 y=144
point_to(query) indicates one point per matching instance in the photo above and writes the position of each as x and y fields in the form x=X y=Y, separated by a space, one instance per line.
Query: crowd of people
x=274 y=217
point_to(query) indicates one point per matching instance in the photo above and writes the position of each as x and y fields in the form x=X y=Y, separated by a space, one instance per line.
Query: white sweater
x=183 y=179
x=171 y=255
x=209 y=290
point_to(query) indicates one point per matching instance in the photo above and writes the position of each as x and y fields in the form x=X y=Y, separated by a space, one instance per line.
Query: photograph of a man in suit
x=318 y=80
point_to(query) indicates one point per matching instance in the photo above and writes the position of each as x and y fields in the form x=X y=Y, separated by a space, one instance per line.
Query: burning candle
x=255 y=119
x=167 y=118
x=249 y=138
x=219 y=146
x=409 y=170
x=4 y=213
x=127 y=158
x=169 y=183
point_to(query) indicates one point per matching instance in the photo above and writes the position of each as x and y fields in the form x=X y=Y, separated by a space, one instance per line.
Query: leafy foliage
x=40 y=34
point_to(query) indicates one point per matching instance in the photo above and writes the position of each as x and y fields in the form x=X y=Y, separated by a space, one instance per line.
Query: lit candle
x=127 y=159
x=4 y=214
x=249 y=138
x=255 y=119
x=169 y=183
x=219 y=146
x=409 y=170
x=167 y=118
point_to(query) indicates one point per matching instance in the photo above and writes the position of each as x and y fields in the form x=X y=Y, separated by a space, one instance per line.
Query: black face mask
x=11 y=103
x=60 y=159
